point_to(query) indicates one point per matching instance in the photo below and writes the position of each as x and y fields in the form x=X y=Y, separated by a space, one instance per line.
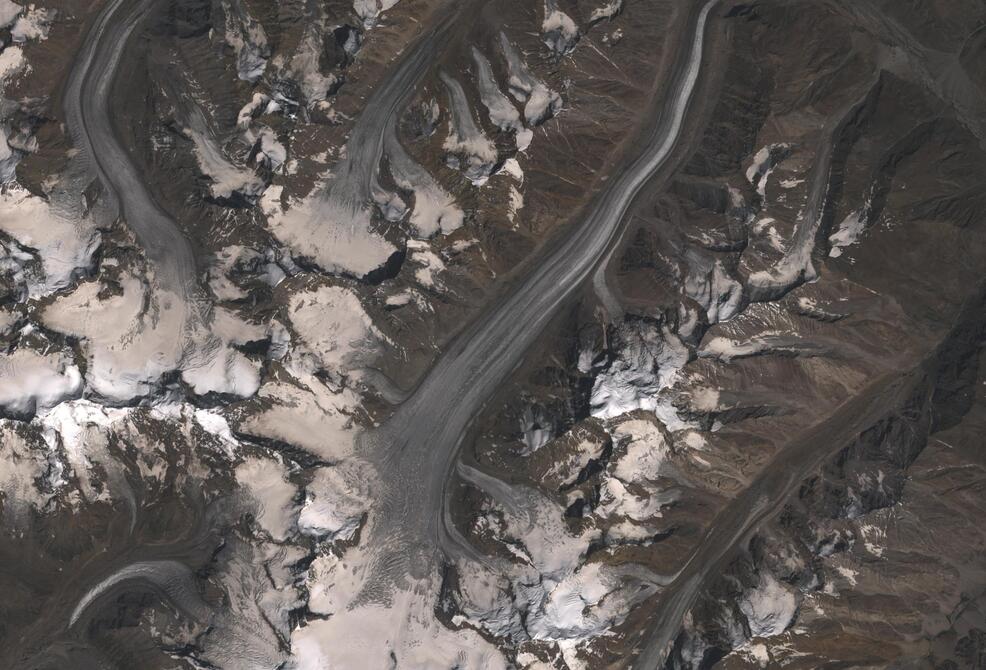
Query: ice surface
x=265 y=481
x=401 y=632
x=265 y=266
x=32 y=24
x=332 y=324
x=434 y=210
x=217 y=368
x=64 y=246
x=8 y=158
x=606 y=11
x=710 y=285
x=9 y=11
x=31 y=381
x=556 y=597
x=558 y=29
x=769 y=608
x=82 y=430
x=136 y=335
x=370 y=10
x=305 y=414
x=8 y=320
x=331 y=231
x=335 y=502
x=541 y=102
x=227 y=178
x=252 y=630
x=646 y=451
x=304 y=66
x=648 y=363
x=502 y=112
x=468 y=149
x=247 y=38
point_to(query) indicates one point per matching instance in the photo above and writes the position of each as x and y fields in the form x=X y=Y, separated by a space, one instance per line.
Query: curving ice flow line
x=416 y=448
x=173 y=579
x=87 y=114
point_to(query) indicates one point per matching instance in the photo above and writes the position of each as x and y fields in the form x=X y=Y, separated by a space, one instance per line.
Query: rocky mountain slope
x=492 y=334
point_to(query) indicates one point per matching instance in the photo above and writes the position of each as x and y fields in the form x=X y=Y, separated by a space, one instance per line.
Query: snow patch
x=430 y=265
x=764 y=162
x=848 y=232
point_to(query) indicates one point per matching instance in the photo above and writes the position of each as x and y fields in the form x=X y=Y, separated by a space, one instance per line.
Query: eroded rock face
x=491 y=335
